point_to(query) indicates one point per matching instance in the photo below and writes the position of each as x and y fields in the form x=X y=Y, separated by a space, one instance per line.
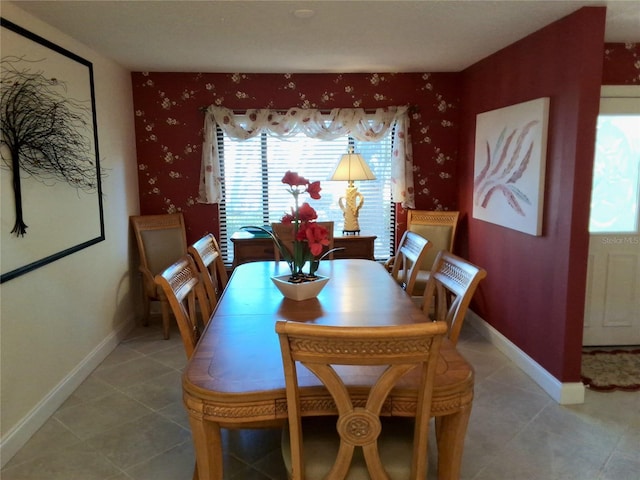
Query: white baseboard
x=563 y=393
x=15 y=438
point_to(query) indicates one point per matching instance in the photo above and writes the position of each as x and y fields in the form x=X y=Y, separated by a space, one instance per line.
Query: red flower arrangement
x=309 y=238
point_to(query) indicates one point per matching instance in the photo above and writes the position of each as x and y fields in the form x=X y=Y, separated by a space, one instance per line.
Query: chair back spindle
x=409 y=257
x=208 y=258
x=182 y=286
x=450 y=288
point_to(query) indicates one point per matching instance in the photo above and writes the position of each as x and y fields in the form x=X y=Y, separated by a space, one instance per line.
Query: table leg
x=450 y=433
x=208 y=448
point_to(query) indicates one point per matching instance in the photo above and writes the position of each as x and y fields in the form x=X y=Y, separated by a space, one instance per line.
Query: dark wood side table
x=355 y=246
x=249 y=247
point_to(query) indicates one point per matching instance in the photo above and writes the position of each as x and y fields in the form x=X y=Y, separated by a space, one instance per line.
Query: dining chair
x=183 y=287
x=439 y=227
x=161 y=240
x=359 y=442
x=284 y=232
x=409 y=257
x=208 y=258
x=450 y=288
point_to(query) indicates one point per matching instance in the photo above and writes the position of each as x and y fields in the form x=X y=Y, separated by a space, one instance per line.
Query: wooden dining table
x=235 y=377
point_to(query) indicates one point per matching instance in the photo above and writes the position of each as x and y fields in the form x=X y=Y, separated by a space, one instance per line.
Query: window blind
x=253 y=192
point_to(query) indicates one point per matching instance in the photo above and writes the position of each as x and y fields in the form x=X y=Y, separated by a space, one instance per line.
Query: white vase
x=299 y=291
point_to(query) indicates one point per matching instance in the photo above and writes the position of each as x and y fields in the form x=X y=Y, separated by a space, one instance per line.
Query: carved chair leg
x=450 y=432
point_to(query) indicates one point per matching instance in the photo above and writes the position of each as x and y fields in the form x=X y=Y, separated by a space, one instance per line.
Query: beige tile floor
x=126 y=422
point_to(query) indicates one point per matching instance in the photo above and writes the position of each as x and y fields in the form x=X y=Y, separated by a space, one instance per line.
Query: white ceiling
x=266 y=36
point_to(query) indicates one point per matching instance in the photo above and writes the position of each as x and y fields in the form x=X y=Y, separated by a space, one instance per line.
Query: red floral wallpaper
x=621 y=64
x=169 y=122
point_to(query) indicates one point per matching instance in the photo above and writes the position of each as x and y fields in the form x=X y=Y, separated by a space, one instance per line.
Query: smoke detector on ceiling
x=304 y=13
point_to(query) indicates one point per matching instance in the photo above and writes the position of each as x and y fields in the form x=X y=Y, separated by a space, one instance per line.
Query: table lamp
x=352 y=167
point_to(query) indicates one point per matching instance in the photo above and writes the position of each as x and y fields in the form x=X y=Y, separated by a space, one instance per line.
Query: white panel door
x=612 y=308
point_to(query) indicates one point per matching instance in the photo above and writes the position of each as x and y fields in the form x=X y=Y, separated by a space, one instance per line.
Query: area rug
x=609 y=370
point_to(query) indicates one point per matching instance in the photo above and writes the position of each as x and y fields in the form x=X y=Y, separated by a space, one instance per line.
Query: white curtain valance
x=339 y=122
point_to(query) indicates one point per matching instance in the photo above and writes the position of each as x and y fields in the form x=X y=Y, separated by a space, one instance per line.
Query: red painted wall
x=534 y=292
x=169 y=127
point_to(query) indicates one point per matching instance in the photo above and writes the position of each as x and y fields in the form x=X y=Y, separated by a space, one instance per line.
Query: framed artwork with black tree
x=50 y=174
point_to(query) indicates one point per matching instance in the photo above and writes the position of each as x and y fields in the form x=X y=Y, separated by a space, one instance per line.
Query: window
x=615 y=195
x=254 y=194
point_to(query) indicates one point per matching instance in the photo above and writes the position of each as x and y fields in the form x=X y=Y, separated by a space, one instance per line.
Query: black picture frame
x=64 y=216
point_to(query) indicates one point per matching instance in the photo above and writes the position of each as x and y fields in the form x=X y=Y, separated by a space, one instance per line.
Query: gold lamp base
x=352 y=167
x=350 y=205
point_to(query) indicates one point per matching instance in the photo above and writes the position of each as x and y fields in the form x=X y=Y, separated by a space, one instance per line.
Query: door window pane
x=616 y=177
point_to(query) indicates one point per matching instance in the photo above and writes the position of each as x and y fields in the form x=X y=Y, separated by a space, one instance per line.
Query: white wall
x=59 y=321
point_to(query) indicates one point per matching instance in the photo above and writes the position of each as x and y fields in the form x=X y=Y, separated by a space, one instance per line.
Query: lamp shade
x=352 y=167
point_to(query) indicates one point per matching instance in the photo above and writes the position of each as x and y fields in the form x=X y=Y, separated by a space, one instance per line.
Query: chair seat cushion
x=321 y=443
